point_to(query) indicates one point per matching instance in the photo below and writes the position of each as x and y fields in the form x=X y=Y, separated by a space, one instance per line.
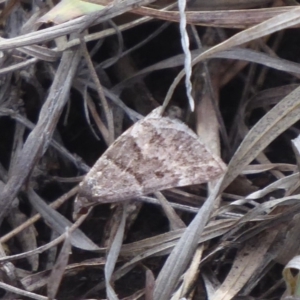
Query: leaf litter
x=239 y=233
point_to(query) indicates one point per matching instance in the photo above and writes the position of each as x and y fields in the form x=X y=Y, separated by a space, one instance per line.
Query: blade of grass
x=272 y=25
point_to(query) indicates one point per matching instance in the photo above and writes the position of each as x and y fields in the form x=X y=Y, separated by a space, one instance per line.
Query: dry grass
x=69 y=90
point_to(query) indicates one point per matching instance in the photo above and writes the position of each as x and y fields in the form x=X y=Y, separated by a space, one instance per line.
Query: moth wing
x=156 y=153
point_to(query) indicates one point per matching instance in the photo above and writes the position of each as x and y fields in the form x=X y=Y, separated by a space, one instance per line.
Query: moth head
x=81 y=207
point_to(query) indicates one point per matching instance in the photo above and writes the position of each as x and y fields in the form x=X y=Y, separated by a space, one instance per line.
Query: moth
x=156 y=153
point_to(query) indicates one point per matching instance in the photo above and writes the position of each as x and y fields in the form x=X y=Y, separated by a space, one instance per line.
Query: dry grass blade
x=107 y=110
x=282 y=116
x=164 y=245
x=283 y=183
x=184 y=250
x=21 y=292
x=112 y=256
x=43 y=248
x=290 y=245
x=59 y=268
x=276 y=121
x=223 y=18
x=27 y=238
x=190 y=276
x=36 y=217
x=272 y=25
x=167 y=241
x=76 y=25
x=150 y=283
x=32 y=151
x=174 y=219
x=296 y=148
x=59 y=223
x=75 y=160
x=248 y=260
x=236 y=53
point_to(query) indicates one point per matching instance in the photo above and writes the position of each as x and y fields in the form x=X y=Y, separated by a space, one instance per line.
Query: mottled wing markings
x=154 y=154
